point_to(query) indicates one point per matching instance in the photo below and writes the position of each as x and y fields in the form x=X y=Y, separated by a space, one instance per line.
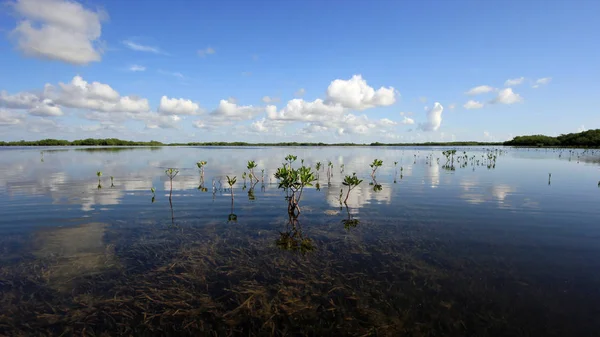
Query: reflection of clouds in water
x=73 y=252
x=433 y=174
x=475 y=194
x=360 y=196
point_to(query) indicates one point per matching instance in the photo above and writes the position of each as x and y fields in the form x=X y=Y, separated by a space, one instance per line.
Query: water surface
x=477 y=250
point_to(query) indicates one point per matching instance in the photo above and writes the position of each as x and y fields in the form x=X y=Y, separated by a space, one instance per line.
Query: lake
x=482 y=247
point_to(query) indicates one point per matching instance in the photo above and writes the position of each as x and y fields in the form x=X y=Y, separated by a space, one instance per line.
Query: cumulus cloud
x=333 y=114
x=507 y=96
x=228 y=112
x=471 y=104
x=482 y=89
x=157 y=121
x=299 y=110
x=46 y=109
x=60 y=30
x=35 y=105
x=542 y=81
x=206 y=51
x=407 y=121
x=93 y=96
x=434 y=118
x=356 y=94
x=270 y=99
x=513 y=82
x=10 y=118
x=178 y=106
x=232 y=111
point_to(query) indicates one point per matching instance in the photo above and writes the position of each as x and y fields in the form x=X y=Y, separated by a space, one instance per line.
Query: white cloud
x=143 y=48
x=59 y=30
x=311 y=128
x=407 y=121
x=46 y=108
x=387 y=122
x=269 y=99
x=265 y=125
x=93 y=96
x=22 y=100
x=156 y=121
x=10 y=118
x=507 y=96
x=513 y=82
x=178 y=106
x=259 y=126
x=482 y=89
x=136 y=67
x=34 y=104
x=231 y=111
x=582 y=128
x=356 y=94
x=300 y=110
x=434 y=118
x=206 y=51
x=471 y=104
x=300 y=92
x=542 y=81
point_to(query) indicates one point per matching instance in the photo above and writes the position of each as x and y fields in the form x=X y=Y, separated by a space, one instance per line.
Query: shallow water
x=477 y=251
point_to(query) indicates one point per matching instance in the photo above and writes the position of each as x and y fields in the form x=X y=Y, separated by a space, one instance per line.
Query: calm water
x=474 y=251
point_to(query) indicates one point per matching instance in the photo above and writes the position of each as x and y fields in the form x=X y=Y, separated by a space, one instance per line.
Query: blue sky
x=332 y=71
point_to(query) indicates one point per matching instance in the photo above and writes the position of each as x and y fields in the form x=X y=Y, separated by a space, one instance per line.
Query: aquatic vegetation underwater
x=216 y=280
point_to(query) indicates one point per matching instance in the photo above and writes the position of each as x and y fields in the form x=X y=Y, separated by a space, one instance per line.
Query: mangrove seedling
x=251 y=166
x=251 y=195
x=112 y=181
x=342 y=168
x=374 y=166
x=351 y=181
x=201 y=165
x=244 y=177
x=294 y=180
x=290 y=159
x=231 y=181
x=171 y=173
x=99 y=174
x=153 y=190
x=262 y=175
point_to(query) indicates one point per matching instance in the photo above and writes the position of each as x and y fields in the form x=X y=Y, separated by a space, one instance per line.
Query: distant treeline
x=590 y=138
x=81 y=142
x=119 y=142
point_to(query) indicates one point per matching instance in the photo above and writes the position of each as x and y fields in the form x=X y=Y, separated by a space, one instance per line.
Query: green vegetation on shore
x=590 y=138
